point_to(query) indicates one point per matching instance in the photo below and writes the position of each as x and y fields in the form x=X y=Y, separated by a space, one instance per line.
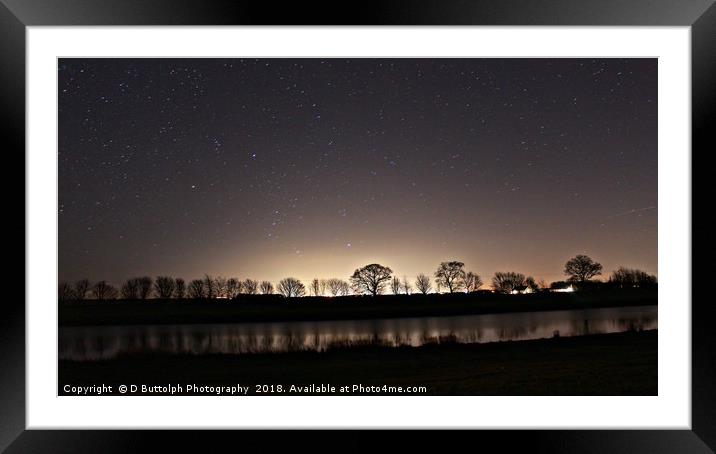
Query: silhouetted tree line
x=373 y=279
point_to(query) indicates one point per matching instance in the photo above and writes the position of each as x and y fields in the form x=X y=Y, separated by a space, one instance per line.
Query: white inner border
x=670 y=409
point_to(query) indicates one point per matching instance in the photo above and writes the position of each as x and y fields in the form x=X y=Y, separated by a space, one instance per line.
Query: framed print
x=413 y=216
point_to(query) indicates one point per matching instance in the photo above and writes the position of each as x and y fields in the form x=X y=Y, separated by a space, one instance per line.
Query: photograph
x=357 y=226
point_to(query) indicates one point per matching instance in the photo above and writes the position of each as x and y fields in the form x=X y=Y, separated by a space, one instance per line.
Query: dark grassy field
x=605 y=364
x=260 y=308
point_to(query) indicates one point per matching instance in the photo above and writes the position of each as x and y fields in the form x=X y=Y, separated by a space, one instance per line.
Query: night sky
x=313 y=167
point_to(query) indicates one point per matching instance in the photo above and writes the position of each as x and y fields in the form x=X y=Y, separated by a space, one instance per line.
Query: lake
x=104 y=342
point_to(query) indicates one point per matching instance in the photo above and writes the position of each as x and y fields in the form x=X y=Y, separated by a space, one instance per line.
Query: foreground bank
x=604 y=364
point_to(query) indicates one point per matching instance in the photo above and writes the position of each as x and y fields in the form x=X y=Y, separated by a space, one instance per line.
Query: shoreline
x=258 y=309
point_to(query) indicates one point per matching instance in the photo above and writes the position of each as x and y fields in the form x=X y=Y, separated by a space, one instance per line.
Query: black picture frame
x=16 y=15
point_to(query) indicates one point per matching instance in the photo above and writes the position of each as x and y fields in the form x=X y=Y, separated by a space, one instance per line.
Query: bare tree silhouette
x=81 y=288
x=315 y=287
x=103 y=291
x=266 y=288
x=209 y=287
x=582 y=268
x=422 y=283
x=233 y=287
x=473 y=282
x=406 y=287
x=179 y=288
x=624 y=277
x=507 y=281
x=64 y=291
x=240 y=287
x=396 y=285
x=345 y=288
x=196 y=289
x=251 y=287
x=220 y=285
x=291 y=288
x=130 y=289
x=334 y=286
x=164 y=286
x=450 y=275
x=145 y=287
x=371 y=279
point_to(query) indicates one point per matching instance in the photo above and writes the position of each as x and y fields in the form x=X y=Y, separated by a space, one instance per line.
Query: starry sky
x=267 y=168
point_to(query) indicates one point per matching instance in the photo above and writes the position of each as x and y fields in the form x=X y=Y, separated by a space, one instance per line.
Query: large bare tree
x=422 y=283
x=164 y=286
x=582 y=268
x=450 y=275
x=266 y=288
x=507 y=281
x=371 y=279
x=291 y=287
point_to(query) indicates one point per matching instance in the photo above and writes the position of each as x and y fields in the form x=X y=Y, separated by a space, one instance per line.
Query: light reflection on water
x=91 y=343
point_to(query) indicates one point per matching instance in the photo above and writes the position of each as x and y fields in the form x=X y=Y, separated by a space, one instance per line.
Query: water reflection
x=91 y=343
